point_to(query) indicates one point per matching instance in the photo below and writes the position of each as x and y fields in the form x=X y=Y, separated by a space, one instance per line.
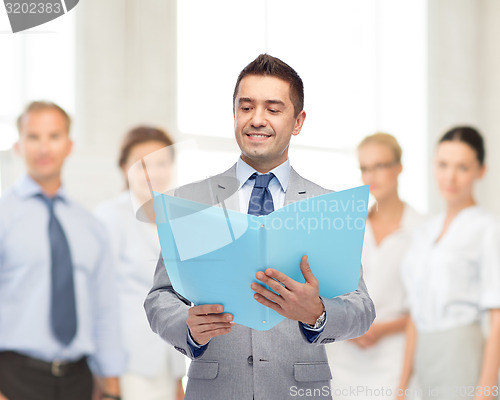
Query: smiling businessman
x=231 y=361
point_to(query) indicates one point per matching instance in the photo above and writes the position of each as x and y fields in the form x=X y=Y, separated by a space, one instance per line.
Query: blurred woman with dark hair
x=452 y=277
x=146 y=160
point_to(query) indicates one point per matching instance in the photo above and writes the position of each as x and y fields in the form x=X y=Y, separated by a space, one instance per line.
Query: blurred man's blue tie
x=62 y=302
x=261 y=201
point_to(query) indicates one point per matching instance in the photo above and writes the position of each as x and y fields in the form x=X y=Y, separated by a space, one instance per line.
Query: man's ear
x=299 y=121
x=17 y=148
x=70 y=147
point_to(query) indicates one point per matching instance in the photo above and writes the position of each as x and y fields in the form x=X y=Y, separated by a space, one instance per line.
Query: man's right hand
x=2 y=397
x=206 y=321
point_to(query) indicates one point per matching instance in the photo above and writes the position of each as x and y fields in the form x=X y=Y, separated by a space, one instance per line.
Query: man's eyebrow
x=245 y=100
x=279 y=102
x=270 y=101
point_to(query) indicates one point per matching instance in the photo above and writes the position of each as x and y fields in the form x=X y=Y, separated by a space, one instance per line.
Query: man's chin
x=257 y=156
x=45 y=175
x=264 y=161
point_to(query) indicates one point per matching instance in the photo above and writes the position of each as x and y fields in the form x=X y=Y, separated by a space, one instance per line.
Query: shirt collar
x=27 y=187
x=281 y=172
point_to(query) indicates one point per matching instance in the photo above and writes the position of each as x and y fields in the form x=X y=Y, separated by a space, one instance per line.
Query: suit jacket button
x=250 y=360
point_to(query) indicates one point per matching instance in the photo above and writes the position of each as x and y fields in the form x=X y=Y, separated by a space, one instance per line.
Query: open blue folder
x=212 y=254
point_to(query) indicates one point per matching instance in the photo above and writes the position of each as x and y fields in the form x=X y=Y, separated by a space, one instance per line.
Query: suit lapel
x=296 y=190
x=225 y=194
x=224 y=190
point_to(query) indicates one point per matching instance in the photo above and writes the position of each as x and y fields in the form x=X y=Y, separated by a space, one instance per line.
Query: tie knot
x=262 y=181
x=49 y=201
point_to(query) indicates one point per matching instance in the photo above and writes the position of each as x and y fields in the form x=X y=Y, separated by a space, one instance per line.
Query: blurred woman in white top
x=452 y=276
x=369 y=367
x=154 y=368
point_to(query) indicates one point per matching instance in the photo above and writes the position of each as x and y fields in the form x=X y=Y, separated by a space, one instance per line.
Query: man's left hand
x=109 y=386
x=292 y=299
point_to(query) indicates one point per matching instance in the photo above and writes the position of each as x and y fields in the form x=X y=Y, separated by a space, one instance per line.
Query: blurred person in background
x=374 y=360
x=452 y=276
x=58 y=296
x=154 y=370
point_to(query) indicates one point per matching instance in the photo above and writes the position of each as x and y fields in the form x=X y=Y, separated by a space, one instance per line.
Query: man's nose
x=44 y=147
x=258 y=118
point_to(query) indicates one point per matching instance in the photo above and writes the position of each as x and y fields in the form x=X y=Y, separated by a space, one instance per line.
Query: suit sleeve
x=167 y=311
x=348 y=316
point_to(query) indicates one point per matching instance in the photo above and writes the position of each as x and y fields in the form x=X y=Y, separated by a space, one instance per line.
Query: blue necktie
x=62 y=302
x=261 y=201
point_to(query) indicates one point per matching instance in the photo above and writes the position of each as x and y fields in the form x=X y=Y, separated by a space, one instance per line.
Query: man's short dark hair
x=36 y=106
x=265 y=64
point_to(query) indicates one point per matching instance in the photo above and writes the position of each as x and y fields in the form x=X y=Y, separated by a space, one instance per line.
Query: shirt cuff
x=312 y=333
x=196 y=349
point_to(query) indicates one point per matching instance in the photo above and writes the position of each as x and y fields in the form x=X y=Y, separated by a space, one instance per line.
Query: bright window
x=364 y=69
x=38 y=64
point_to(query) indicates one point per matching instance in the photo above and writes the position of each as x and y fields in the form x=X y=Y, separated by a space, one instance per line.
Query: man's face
x=264 y=121
x=44 y=143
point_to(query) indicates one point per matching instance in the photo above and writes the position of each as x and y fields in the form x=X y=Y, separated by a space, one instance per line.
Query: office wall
x=464 y=81
x=126 y=67
x=126 y=76
x=489 y=83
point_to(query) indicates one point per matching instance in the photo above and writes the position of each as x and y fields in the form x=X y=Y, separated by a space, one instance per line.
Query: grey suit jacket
x=247 y=364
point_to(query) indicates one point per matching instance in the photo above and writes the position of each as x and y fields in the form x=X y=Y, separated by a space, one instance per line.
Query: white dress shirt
x=277 y=186
x=451 y=281
x=25 y=281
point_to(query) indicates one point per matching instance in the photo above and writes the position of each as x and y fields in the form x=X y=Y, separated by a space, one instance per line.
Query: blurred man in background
x=58 y=301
